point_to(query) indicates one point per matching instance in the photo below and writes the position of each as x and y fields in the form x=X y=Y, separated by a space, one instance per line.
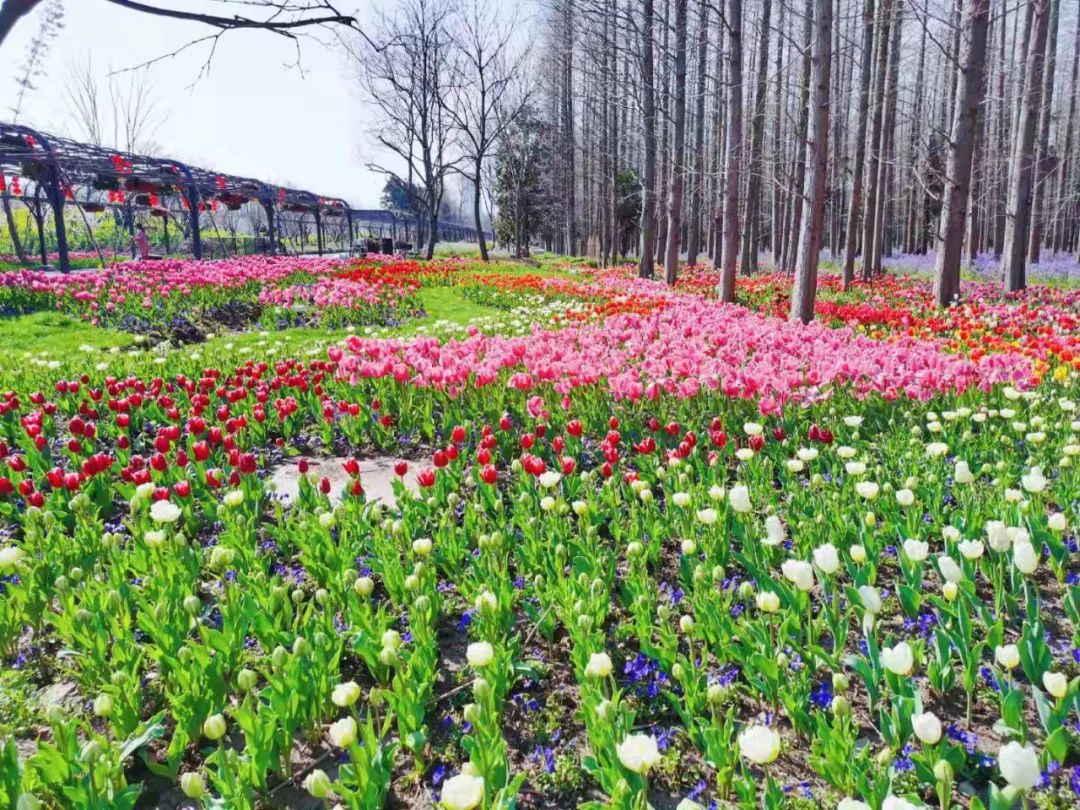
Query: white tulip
x=707 y=516
x=962 y=474
x=800 y=573
x=870 y=598
x=949 y=568
x=916 y=550
x=479 y=654
x=739 y=498
x=767 y=602
x=599 y=665
x=638 y=753
x=1007 y=655
x=997 y=536
x=462 y=792
x=774 y=531
x=549 y=479
x=1034 y=481
x=927 y=727
x=1019 y=765
x=1025 y=558
x=867 y=489
x=905 y=497
x=1055 y=683
x=898 y=659
x=164 y=512
x=343 y=733
x=759 y=744
x=10 y=556
x=826 y=558
x=1057 y=522
x=970 y=549
x=936 y=449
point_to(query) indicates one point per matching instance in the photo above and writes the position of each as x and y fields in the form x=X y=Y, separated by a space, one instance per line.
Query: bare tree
x=646 y=260
x=733 y=151
x=855 y=203
x=124 y=115
x=1022 y=168
x=961 y=151
x=287 y=18
x=804 y=291
x=486 y=93
x=678 y=157
x=751 y=227
x=406 y=79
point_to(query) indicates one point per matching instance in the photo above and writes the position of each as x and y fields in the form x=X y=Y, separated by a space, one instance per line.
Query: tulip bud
x=471 y=713
x=840 y=682
x=279 y=657
x=301 y=647
x=214 y=727
x=715 y=693
x=192 y=605
x=481 y=688
x=318 y=784
x=840 y=706
x=192 y=784
x=247 y=680
x=943 y=772
x=363 y=586
x=118 y=678
x=90 y=752
x=103 y=705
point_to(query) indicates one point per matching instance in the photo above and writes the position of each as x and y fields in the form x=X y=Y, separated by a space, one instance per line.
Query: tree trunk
x=1022 y=170
x=881 y=52
x=476 y=213
x=646 y=260
x=881 y=207
x=730 y=254
x=1063 y=206
x=693 y=241
x=1042 y=157
x=958 y=172
x=678 y=169
x=796 y=207
x=817 y=147
x=752 y=224
x=13 y=229
x=855 y=204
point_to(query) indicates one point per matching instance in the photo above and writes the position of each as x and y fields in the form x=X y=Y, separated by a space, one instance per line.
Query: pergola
x=60 y=167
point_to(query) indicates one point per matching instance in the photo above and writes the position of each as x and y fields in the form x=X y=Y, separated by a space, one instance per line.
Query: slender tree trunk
x=881 y=52
x=678 y=168
x=476 y=211
x=693 y=241
x=752 y=224
x=795 y=215
x=730 y=255
x=646 y=260
x=882 y=207
x=1042 y=157
x=13 y=229
x=1063 y=205
x=817 y=147
x=958 y=172
x=1021 y=173
x=855 y=205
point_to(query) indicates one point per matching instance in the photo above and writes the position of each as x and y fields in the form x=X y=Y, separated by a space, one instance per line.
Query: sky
x=254 y=115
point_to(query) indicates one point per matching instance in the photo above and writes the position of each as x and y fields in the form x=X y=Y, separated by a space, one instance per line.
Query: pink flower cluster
x=686 y=347
x=331 y=291
x=141 y=282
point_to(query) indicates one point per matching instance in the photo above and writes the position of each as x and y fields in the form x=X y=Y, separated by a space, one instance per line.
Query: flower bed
x=689 y=550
